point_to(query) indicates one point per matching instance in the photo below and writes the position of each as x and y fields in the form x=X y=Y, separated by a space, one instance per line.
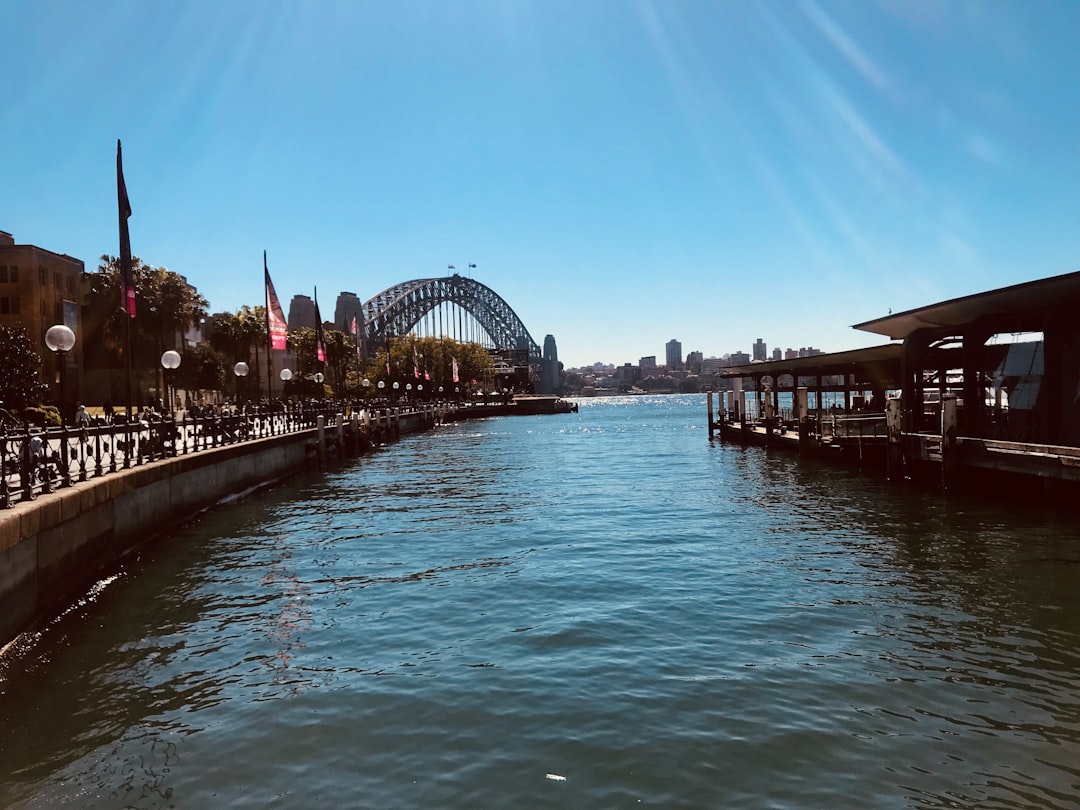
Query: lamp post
x=408 y=390
x=60 y=339
x=367 y=388
x=240 y=370
x=395 y=391
x=170 y=361
x=319 y=380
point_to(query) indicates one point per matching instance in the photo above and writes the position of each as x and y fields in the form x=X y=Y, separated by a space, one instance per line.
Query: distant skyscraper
x=301 y=312
x=550 y=368
x=674 y=354
x=348 y=306
x=760 y=350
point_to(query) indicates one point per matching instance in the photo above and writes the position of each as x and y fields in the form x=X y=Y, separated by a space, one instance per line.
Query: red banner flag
x=356 y=337
x=276 y=326
x=415 y=364
x=127 y=278
x=454 y=369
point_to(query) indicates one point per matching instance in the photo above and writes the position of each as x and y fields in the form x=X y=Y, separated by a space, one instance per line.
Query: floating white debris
x=556 y=778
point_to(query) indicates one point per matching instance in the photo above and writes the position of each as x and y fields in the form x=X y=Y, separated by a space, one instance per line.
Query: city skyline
x=616 y=173
x=705 y=356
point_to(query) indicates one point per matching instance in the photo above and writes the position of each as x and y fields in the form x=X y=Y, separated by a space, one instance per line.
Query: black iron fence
x=35 y=461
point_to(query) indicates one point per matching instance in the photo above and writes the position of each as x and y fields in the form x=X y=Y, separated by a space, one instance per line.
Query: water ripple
x=596 y=609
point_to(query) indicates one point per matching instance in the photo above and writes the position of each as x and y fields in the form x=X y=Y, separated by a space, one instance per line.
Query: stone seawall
x=54 y=548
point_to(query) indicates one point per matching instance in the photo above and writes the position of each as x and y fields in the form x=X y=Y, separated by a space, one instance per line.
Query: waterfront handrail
x=35 y=461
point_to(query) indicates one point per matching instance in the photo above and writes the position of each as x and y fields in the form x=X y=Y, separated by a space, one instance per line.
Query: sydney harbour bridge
x=462 y=309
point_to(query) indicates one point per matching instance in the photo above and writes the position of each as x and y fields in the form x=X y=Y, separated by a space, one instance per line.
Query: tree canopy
x=165 y=306
x=21 y=380
x=433 y=357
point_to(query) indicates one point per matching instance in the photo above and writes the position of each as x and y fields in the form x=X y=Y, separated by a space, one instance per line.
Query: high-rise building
x=349 y=306
x=760 y=350
x=301 y=312
x=39 y=289
x=647 y=365
x=740 y=359
x=674 y=354
x=550 y=368
x=693 y=362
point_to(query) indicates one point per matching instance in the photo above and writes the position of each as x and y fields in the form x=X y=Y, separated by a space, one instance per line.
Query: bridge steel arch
x=396 y=310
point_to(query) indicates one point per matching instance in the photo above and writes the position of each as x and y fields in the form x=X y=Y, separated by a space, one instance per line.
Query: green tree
x=226 y=334
x=340 y=357
x=165 y=305
x=202 y=369
x=434 y=356
x=21 y=381
x=302 y=343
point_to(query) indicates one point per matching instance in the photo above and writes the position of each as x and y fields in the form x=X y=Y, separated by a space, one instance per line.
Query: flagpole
x=269 y=345
x=127 y=281
x=127 y=356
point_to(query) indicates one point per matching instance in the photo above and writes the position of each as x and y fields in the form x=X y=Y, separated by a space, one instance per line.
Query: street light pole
x=60 y=339
x=240 y=370
x=170 y=361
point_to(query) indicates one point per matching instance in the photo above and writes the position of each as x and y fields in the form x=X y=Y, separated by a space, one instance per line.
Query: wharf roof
x=1004 y=304
x=873 y=363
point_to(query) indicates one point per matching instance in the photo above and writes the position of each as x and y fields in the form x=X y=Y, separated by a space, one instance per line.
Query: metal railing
x=36 y=461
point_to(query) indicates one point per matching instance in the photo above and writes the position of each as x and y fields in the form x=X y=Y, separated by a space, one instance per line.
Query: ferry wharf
x=982 y=390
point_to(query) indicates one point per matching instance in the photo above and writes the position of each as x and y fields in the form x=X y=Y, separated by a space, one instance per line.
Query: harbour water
x=599 y=609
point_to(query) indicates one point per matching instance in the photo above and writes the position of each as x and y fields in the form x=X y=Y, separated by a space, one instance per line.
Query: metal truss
x=396 y=310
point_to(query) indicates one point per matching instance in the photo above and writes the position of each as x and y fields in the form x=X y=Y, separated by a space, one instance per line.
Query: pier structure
x=982 y=388
x=834 y=403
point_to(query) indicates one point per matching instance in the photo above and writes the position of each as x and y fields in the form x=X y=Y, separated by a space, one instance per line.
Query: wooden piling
x=894 y=425
x=802 y=410
x=948 y=440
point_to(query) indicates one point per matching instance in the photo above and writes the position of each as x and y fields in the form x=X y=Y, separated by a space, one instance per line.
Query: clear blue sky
x=622 y=173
